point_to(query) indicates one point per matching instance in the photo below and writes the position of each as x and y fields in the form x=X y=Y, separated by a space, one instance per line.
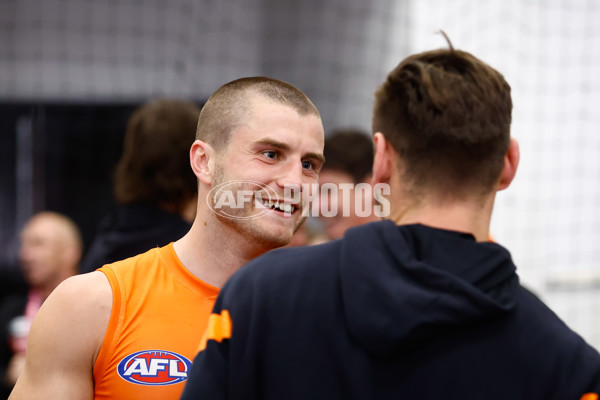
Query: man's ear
x=202 y=160
x=511 y=162
x=382 y=161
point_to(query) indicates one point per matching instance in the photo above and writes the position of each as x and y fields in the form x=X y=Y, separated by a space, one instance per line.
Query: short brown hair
x=447 y=114
x=155 y=166
x=227 y=108
x=349 y=151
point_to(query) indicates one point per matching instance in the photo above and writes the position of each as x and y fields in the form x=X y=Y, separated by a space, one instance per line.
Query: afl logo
x=154 y=368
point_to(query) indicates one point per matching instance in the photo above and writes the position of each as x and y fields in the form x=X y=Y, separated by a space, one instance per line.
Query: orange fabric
x=159 y=310
x=219 y=328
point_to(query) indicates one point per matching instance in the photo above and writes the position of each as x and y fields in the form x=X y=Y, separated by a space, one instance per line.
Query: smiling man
x=129 y=330
x=278 y=137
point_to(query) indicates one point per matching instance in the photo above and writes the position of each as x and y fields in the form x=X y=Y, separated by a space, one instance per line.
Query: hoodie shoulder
x=302 y=262
x=294 y=262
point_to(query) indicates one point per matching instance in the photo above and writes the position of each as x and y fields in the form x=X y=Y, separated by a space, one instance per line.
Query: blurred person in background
x=419 y=306
x=155 y=189
x=130 y=329
x=50 y=252
x=349 y=159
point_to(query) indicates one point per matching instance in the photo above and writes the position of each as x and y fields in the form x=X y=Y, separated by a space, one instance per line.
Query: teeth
x=285 y=207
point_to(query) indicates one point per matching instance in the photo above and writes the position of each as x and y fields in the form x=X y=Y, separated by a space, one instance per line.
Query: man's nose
x=291 y=176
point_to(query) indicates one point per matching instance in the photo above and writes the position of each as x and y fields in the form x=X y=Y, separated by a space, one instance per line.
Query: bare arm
x=64 y=341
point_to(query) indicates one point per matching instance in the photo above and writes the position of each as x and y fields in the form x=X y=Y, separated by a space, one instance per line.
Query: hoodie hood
x=402 y=285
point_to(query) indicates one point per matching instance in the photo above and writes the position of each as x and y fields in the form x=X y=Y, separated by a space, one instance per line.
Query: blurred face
x=337 y=225
x=277 y=147
x=41 y=252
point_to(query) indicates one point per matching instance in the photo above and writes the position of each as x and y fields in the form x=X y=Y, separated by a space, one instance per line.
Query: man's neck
x=469 y=217
x=213 y=251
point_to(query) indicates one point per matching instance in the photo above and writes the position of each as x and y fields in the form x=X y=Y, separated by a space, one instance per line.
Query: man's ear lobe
x=382 y=161
x=511 y=163
x=202 y=160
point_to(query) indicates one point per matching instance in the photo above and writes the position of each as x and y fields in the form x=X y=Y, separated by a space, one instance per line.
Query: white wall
x=335 y=51
x=126 y=49
x=549 y=52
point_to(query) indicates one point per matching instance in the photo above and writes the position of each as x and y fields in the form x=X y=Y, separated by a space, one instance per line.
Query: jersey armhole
x=108 y=343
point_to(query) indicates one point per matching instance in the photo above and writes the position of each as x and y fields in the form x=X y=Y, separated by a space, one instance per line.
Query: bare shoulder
x=89 y=289
x=82 y=303
x=65 y=338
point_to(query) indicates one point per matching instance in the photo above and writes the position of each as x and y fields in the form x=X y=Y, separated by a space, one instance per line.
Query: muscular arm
x=64 y=341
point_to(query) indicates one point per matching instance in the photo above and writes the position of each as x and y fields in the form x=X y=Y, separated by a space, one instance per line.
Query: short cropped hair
x=155 y=166
x=228 y=107
x=447 y=115
x=349 y=151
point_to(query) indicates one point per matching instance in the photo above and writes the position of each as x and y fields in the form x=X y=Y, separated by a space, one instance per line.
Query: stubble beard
x=251 y=228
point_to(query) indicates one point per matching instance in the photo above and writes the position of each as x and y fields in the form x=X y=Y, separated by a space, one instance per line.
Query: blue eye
x=307 y=165
x=270 y=154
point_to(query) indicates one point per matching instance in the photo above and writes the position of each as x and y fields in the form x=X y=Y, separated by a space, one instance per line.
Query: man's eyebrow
x=316 y=156
x=284 y=146
x=273 y=143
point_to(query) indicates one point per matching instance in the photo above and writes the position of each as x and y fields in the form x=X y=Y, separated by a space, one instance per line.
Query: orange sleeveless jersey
x=158 y=315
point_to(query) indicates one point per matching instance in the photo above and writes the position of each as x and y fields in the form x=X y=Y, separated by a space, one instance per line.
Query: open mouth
x=280 y=206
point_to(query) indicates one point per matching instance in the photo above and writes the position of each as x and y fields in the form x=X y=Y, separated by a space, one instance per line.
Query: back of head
x=154 y=168
x=349 y=151
x=447 y=115
x=229 y=106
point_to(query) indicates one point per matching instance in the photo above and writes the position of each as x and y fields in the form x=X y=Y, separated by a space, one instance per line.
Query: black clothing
x=132 y=230
x=12 y=280
x=12 y=306
x=390 y=312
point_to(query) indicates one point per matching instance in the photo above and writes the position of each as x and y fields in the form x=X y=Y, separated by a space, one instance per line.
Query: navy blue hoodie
x=390 y=312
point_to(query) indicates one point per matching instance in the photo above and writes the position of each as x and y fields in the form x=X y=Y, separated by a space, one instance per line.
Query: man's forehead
x=264 y=117
x=264 y=120
x=46 y=226
x=259 y=106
